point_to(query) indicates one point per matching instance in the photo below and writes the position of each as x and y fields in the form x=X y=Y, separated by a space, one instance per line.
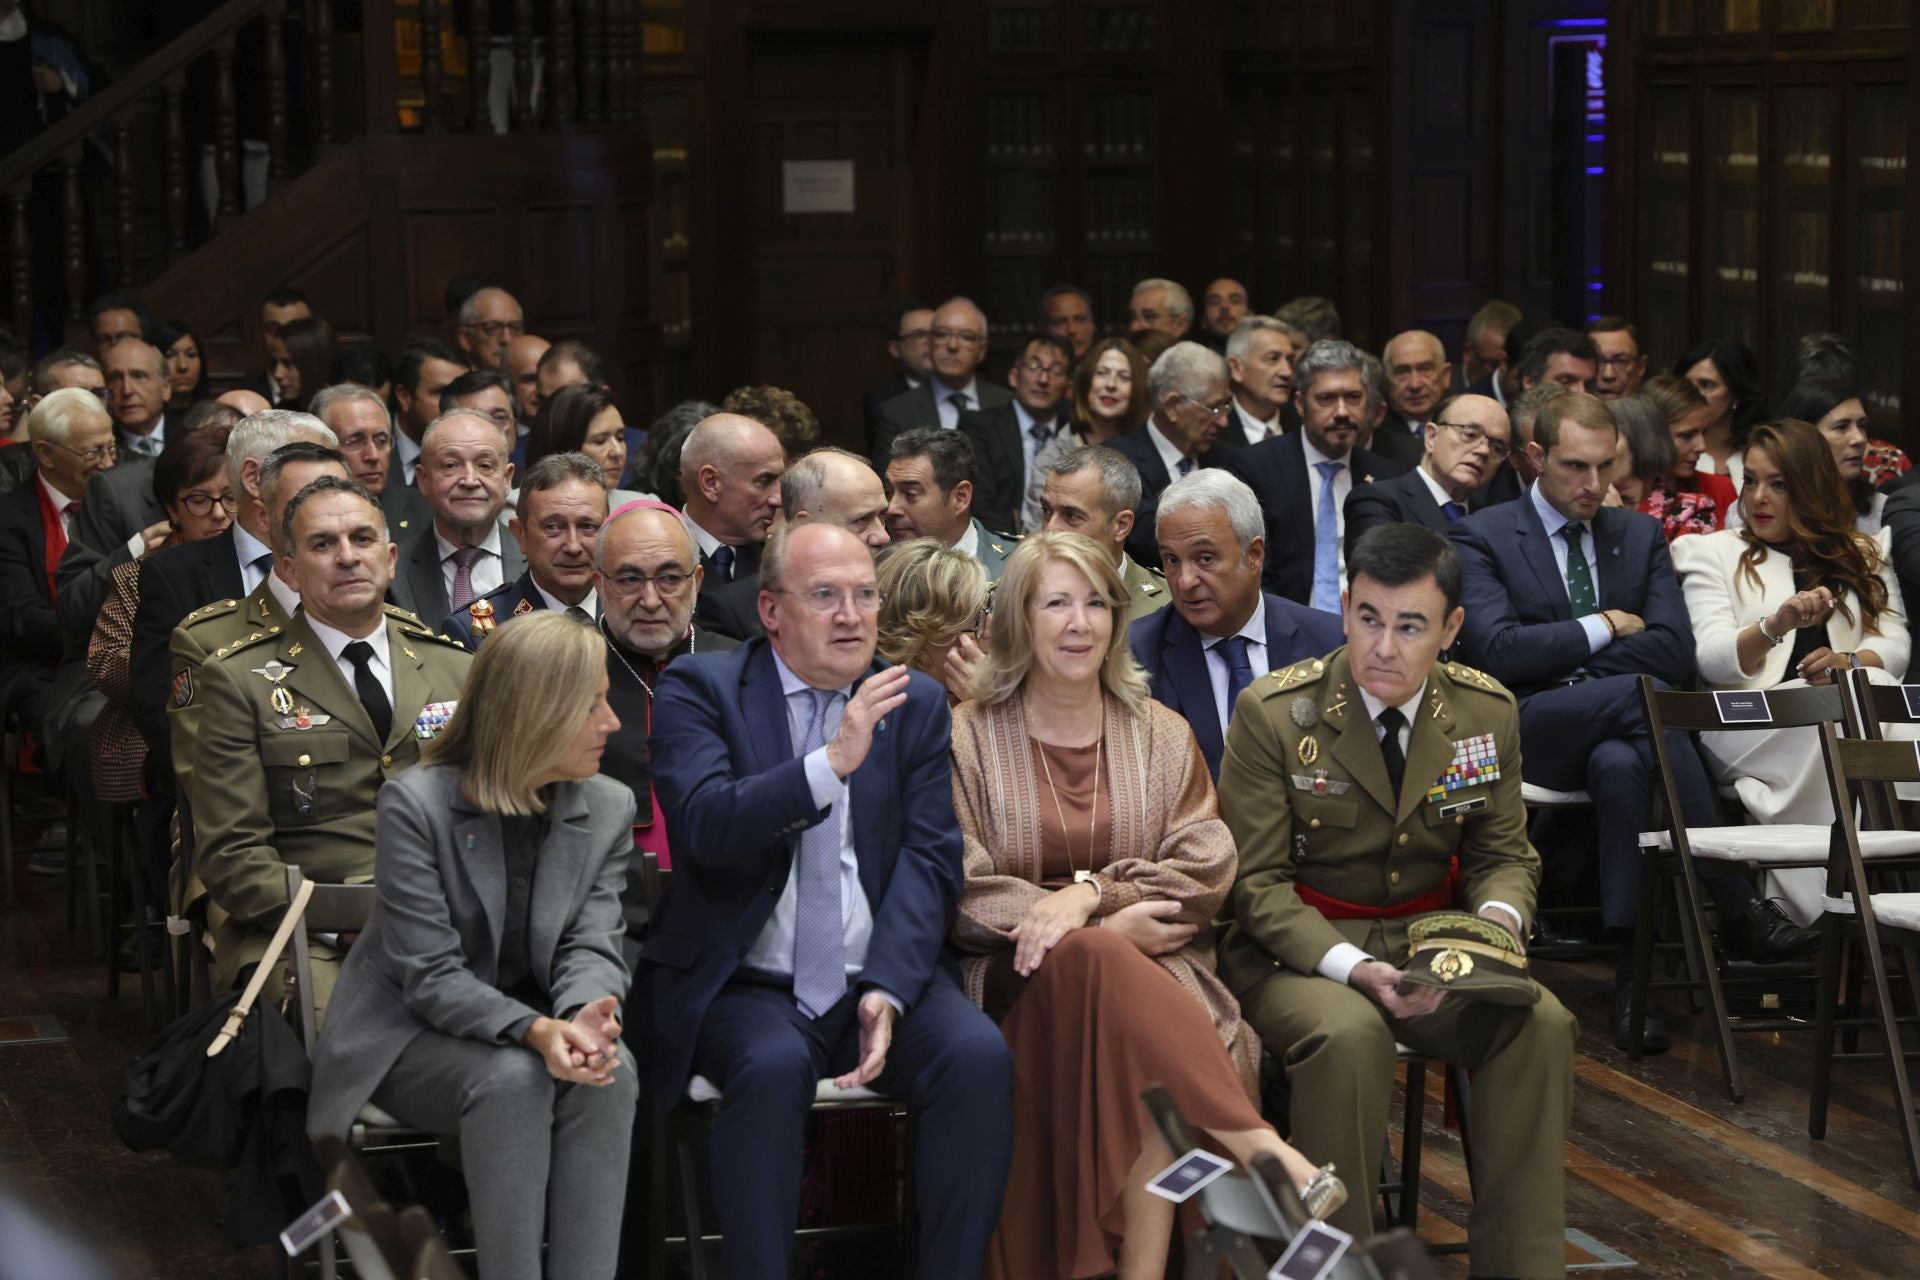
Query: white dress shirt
x=62 y=504
x=1440 y=495
x=1028 y=445
x=1342 y=486
x=969 y=542
x=1169 y=452
x=336 y=642
x=406 y=455
x=591 y=604
x=943 y=400
x=248 y=549
x=1599 y=635
x=1218 y=672
x=488 y=571
x=1254 y=428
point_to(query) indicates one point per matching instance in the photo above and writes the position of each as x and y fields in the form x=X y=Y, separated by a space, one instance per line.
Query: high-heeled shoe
x=1323 y=1193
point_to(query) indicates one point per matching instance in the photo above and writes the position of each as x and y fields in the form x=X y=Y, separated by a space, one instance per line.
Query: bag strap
x=237 y=1016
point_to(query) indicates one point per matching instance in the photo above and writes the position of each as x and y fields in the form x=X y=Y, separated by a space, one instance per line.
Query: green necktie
x=1579 y=574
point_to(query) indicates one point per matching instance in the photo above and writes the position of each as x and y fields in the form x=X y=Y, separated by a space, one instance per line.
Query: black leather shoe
x=1654 y=1037
x=1764 y=934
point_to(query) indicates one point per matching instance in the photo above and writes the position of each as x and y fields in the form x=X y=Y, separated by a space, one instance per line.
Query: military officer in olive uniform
x=298 y=729
x=1351 y=784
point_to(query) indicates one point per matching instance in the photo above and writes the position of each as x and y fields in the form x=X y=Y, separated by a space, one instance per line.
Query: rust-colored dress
x=1099 y=1020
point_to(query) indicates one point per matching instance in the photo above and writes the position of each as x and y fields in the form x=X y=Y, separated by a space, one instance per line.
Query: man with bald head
x=489 y=320
x=137 y=396
x=1466 y=444
x=959 y=344
x=1418 y=375
x=820 y=864
x=463 y=552
x=523 y=371
x=827 y=486
x=246 y=402
x=730 y=475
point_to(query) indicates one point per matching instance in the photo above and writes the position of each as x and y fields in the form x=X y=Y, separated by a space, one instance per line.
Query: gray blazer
x=418 y=584
x=426 y=959
x=119 y=503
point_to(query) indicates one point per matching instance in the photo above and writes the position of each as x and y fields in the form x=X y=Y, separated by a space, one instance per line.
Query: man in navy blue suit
x=1222 y=630
x=1466 y=445
x=1568 y=603
x=561 y=508
x=817 y=863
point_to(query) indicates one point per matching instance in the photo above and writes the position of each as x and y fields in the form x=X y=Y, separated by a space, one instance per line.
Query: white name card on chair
x=314 y=1223
x=1312 y=1254
x=1911 y=692
x=1742 y=706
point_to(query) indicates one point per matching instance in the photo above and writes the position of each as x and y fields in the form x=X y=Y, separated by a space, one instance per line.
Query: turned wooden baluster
x=593 y=43
x=123 y=199
x=20 y=252
x=523 y=66
x=176 y=156
x=616 y=44
x=73 y=225
x=630 y=73
x=560 y=92
x=480 y=67
x=320 y=30
x=430 y=73
x=226 y=130
x=277 y=90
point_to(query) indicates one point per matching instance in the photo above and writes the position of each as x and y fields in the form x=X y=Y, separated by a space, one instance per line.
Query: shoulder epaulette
x=247 y=642
x=219 y=608
x=1472 y=678
x=413 y=629
x=1301 y=673
x=405 y=615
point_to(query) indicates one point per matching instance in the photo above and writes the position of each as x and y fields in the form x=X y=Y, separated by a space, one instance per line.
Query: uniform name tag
x=1461 y=808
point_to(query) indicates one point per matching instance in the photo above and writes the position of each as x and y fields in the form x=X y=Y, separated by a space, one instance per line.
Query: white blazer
x=1723 y=601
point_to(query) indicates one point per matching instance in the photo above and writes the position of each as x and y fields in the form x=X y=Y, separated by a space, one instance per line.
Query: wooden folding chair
x=371 y=1235
x=432 y=1260
x=1538 y=800
x=1400 y=1180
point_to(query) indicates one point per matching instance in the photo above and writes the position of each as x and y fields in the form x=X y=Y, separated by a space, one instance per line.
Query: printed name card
x=1312 y=1254
x=1742 y=706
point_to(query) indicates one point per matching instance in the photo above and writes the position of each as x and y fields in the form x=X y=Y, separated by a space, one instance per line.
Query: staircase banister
x=152 y=74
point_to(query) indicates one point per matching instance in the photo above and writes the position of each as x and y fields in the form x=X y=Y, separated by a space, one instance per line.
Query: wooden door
x=822 y=286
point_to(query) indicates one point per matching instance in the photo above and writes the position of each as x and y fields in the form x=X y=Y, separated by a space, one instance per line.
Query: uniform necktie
x=1580 y=593
x=462 y=594
x=721 y=562
x=367 y=685
x=1326 y=542
x=262 y=565
x=819 y=934
x=1186 y=467
x=1391 y=722
x=1452 y=511
x=1239 y=670
x=578 y=614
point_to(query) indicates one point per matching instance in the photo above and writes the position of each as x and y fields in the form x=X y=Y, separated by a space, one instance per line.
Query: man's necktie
x=1326 y=542
x=1580 y=593
x=144 y=444
x=819 y=934
x=367 y=685
x=721 y=562
x=1186 y=467
x=1239 y=671
x=578 y=614
x=958 y=400
x=1391 y=722
x=1041 y=433
x=262 y=565
x=1452 y=511
x=463 y=593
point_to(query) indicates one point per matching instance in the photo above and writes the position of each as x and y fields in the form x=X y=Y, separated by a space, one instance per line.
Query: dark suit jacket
x=917 y=408
x=118 y=503
x=736 y=800
x=731 y=609
x=404 y=507
x=1401 y=500
x=418 y=585
x=173 y=583
x=17 y=465
x=746 y=563
x=1137 y=447
x=1277 y=473
x=1505 y=486
x=875 y=397
x=999 y=463
x=506 y=600
x=1520 y=627
x=1901 y=516
x=1173 y=654
x=1396 y=441
x=27 y=626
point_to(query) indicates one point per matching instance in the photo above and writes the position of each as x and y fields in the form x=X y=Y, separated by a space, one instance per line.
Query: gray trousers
x=536 y=1151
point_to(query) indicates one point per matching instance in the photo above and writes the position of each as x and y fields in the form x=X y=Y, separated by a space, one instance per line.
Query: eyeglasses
x=201 y=503
x=669 y=583
x=965 y=337
x=92 y=457
x=915 y=335
x=829 y=599
x=1619 y=362
x=978 y=627
x=1217 y=411
x=499 y=328
x=1471 y=435
x=1038 y=368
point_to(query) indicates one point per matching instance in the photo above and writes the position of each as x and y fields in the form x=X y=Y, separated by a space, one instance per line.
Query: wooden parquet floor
x=1667 y=1178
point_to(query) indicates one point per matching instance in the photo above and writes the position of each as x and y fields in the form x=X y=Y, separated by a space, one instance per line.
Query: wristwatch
x=1853 y=660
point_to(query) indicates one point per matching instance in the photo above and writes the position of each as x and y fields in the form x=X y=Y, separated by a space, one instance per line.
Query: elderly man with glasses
x=1192 y=406
x=959 y=343
x=489 y=320
x=1008 y=440
x=1465 y=444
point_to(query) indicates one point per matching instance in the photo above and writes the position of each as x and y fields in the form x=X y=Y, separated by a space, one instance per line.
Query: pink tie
x=463 y=560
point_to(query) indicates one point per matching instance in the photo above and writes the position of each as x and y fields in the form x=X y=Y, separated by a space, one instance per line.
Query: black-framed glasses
x=1471 y=435
x=670 y=583
x=202 y=503
x=499 y=328
x=1619 y=362
x=92 y=457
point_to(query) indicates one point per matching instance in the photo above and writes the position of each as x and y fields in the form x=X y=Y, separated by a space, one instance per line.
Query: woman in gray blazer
x=483 y=998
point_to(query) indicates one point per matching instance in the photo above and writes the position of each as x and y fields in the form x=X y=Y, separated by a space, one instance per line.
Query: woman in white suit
x=1793 y=597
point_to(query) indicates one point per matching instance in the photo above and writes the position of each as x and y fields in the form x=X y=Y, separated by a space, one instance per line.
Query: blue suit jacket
x=736 y=799
x=506 y=600
x=1520 y=627
x=1170 y=649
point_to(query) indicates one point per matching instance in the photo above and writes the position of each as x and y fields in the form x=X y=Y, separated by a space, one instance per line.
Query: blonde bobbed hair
x=526 y=696
x=930 y=593
x=1010 y=655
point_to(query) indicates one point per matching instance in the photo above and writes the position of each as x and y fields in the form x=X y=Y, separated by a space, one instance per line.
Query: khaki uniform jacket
x=269 y=792
x=220 y=625
x=1305 y=725
x=1147 y=587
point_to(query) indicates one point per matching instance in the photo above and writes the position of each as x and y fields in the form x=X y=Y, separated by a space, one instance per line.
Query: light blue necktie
x=144 y=444
x=819 y=934
x=1326 y=542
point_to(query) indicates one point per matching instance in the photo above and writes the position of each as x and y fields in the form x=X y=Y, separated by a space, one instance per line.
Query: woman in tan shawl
x=1095 y=861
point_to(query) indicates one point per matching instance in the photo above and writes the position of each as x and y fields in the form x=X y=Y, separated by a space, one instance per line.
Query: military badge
x=1475 y=761
x=275 y=671
x=1321 y=785
x=433 y=718
x=303 y=719
x=480 y=612
x=281 y=700
x=183 y=687
x=295 y=651
x=1450 y=964
x=525 y=606
x=1303 y=712
x=1308 y=750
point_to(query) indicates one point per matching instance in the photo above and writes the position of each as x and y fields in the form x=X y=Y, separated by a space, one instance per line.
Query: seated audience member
x=487 y=321
x=1828 y=355
x=559 y=513
x=1688 y=499
x=1222 y=307
x=1260 y=366
x=585 y=420
x=1557 y=354
x=779 y=411
x=117 y=318
x=1484 y=352
x=1110 y=397
x=1009 y=441
x=649 y=580
x=1302 y=479
x=911 y=349
x=730 y=470
x=15 y=365
x=656 y=467
x=281 y=307
x=1644 y=455
x=830 y=486
x=1315 y=319
x=568 y=363
x=370 y=684
x=1096 y=862
x=932 y=475
x=933 y=611
x=1728 y=379
x=959 y=345
x=1191 y=403
x=1510 y=480
x=1622 y=364
x=427 y=366
x=1066 y=312
x=1222 y=630
x=523 y=372
x=1796 y=595
x=1159 y=306
x=68 y=368
x=246 y=403
x=1841 y=416
x=1153 y=344
x=360 y=420
x=1568 y=603
x=186 y=367
x=1320 y=912
x=364 y=365
x=1418 y=376
x=1095 y=491
x=818 y=863
x=461 y=554
x=1467 y=442
x=137 y=396
x=493 y=1015
x=300 y=358
x=485 y=392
